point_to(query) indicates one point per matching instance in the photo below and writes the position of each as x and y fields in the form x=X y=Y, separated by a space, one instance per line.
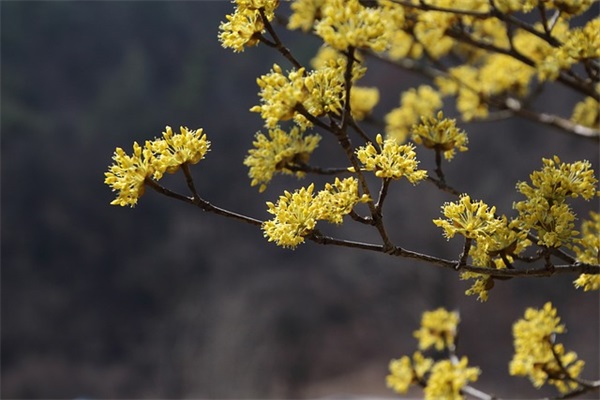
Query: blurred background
x=165 y=301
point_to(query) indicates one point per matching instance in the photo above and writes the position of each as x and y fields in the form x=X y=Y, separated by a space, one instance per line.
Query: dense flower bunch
x=391 y=161
x=280 y=152
x=440 y=134
x=545 y=210
x=244 y=26
x=443 y=379
x=128 y=174
x=587 y=250
x=438 y=329
x=296 y=214
x=538 y=356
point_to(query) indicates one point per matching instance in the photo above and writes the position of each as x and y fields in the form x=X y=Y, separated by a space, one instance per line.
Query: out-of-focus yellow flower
x=536 y=352
x=448 y=378
x=570 y=7
x=391 y=160
x=473 y=220
x=438 y=328
x=587 y=250
x=587 y=113
x=304 y=14
x=277 y=153
x=347 y=23
x=362 y=101
x=406 y=371
x=414 y=103
x=441 y=134
x=128 y=173
x=511 y=6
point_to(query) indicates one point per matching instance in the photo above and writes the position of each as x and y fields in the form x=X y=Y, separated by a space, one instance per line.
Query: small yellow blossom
x=347 y=23
x=338 y=199
x=571 y=7
x=304 y=14
x=245 y=24
x=587 y=113
x=277 y=153
x=406 y=371
x=296 y=216
x=481 y=286
x=391 y=161
x=414 y=103
x=438 y=328
x=279 y=95
x=441 y=134
x=545 y=209
x=473 y=220
x=536 y=352
x=128 y=173
x=511 y=6
x=325 y=89
x=362 y=101
x=587 y=250
x=173 y=150
x=447 y=379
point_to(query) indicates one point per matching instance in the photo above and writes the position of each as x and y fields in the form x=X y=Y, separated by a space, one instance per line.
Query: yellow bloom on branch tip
x=278 y=153
x=406 y=371
x=128 y=173
x=447 y=379
x=441 y=134
x=538 y=356
x=470 y=219
x=175 y=149
x=392 y=160
x=296 y=214
x=438 y=329
x=245 y=24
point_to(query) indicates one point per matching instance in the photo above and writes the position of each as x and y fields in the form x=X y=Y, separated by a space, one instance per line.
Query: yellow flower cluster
x=441 y=134
x=392 y=161
x=296 y=214
x=587 y=113
x=362 y=101
x=443 y=379
x=438 y=329
x=579 y=44
x=128 y=174
x=414 y=103
x=405 y=372
x=304 y=14
x=319 y=92
x=511 y=6
x=538 y=356
x=545 y=209
x=243 y=26
x=347 y=23
x=277 y=153
x=473 y=220
x=447 y=379
x=279 y=95
x=589 y=252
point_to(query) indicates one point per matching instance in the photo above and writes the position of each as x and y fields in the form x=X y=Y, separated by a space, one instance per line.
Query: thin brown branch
x=277 y=43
